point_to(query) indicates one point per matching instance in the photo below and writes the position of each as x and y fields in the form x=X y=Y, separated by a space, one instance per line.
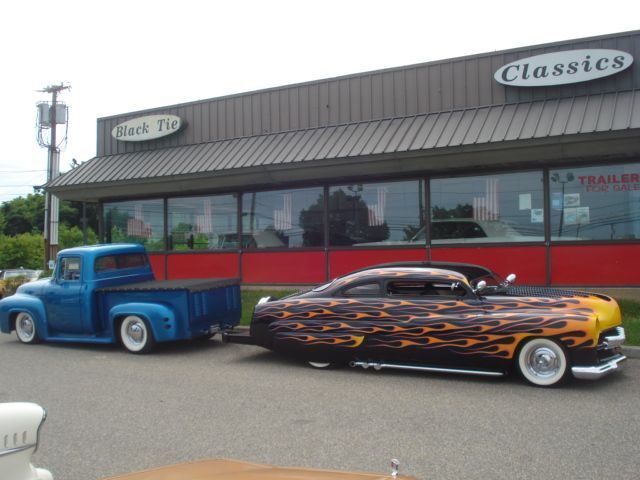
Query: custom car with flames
x=444 y=317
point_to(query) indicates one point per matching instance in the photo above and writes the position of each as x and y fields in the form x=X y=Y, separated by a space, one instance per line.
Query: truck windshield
x=120 y=262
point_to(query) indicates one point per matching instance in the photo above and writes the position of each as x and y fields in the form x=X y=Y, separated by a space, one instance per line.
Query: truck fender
x=160 y=318
x=11 y=306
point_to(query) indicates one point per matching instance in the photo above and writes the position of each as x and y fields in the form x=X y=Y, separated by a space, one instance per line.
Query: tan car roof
x=237 y=470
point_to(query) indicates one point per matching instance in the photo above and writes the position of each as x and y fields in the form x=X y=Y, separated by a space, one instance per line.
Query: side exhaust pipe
x=419 y=368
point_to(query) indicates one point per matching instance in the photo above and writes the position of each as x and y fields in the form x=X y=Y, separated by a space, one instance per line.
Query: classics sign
x=145 y=128
x=561 y=68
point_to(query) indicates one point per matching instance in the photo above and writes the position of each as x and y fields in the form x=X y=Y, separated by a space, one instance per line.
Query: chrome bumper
x=598 y=371
x=614 y=341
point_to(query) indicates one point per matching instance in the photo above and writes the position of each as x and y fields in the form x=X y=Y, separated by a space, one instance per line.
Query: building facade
x=525 y=161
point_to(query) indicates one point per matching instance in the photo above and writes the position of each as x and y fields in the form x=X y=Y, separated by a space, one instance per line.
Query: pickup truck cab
x=107 y=294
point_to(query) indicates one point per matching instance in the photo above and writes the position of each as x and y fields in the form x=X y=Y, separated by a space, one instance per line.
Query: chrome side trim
x=17 y=449
x=44 y=417
x=419 y=368
x=599 y=371
x=614 y=341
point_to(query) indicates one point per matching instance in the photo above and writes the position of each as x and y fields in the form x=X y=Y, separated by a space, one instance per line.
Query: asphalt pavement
x=112 y=412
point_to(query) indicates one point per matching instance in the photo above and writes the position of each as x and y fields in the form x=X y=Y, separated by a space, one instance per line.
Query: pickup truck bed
x=191 y=285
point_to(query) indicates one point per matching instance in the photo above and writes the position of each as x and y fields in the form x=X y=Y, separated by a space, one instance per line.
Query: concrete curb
x=631 y=352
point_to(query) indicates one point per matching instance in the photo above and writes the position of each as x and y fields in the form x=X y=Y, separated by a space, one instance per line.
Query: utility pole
x=49 y=117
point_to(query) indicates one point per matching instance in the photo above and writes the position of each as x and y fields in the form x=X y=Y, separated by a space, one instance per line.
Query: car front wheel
x=136 y=336
x=543 y=362
x=26 y=328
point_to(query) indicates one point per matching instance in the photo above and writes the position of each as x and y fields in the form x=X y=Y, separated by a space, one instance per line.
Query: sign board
x=561 y=68
x=146 y=128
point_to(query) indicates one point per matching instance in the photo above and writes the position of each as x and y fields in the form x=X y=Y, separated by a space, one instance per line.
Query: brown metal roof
x=405 y=135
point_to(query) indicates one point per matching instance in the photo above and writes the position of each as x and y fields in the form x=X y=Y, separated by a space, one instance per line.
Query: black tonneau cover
x=192 y=285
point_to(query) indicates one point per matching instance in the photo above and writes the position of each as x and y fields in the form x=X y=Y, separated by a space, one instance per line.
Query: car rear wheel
x=543 y=362
x=26 y=328
x=136 y=336
x=321 y=365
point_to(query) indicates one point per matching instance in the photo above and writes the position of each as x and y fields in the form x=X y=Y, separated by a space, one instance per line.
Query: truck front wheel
x=26 y=328
x=135 y=335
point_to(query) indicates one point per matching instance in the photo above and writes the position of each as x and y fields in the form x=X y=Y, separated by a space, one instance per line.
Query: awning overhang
x=546 y=132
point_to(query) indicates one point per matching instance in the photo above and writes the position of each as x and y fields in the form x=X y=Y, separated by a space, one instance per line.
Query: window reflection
x=595 y=203
x=489 y=208
x=282 y=219
x=202 y=223
x=376 y=213
x=140 y=221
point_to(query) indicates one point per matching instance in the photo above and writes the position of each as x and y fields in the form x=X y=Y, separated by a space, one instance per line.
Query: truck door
x=63 y=298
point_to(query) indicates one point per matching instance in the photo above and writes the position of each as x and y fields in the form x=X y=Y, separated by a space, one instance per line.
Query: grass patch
x=631 y=321
x=630 y=311
x=251 y=297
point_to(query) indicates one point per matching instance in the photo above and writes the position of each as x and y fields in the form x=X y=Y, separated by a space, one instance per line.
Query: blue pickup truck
x=107 y=294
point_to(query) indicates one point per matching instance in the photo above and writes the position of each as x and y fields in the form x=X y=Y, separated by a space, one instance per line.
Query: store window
x=377 y=214
x=489 y=208
x=203 y=223
x=139 y=221
x=283 y=219
x=595 y=203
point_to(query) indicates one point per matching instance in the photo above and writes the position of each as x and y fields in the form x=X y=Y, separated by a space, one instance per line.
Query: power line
x=31 y=185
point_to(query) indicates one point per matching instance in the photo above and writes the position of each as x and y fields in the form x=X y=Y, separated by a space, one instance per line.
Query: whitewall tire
x=135 y=335
x=543 y=362
x=321 y=365
x=26 y=328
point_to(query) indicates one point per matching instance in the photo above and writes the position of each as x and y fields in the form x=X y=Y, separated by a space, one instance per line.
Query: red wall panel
x=157 y=265
x=202 y=265
x=345 y=261
x=283 y=267
x=595 y=265
x=528 y=263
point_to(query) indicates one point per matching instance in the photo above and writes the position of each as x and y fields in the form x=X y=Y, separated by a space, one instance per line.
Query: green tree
x=348 y=221
x=460 y=211
x=23 y=250
x=23 y=215
x=72 y=236
x=26 y=215
x=71 y=215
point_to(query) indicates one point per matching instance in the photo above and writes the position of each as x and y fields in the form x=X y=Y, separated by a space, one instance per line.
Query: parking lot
x=111 y=412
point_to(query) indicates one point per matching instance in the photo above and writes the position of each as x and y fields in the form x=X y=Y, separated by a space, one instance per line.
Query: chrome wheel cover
x=135 y=332
x=543 y=362
x=25 y=328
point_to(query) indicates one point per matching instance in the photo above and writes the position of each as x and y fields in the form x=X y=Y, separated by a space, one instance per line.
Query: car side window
x=70 y=269
x=370 y=288
x=419 y=288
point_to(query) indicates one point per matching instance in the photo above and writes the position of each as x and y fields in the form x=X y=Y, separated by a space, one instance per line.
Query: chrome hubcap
x=135 y=332
x=543 y=362
x=26 y=326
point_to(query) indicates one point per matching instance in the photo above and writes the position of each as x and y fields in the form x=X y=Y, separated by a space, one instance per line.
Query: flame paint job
x=461 y=330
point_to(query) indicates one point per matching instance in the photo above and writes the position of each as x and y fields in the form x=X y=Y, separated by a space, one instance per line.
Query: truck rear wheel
x=135 y=335
x=26 y=328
